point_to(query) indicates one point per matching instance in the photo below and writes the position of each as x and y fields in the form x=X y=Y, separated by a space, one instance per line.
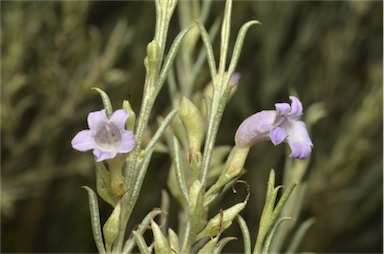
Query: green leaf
x=143 y=226
x=179 y=170
x=220 y=245
x=225 y=32
x=209 y=246
x=169 y=60
x=238 y=46
x=299 y=235
x=270 y=236
x=140 y=242
x=106 y=101
x=280 y=204
x=246 y=235
x=209 y=50
x=160 y=131
x=95 y=219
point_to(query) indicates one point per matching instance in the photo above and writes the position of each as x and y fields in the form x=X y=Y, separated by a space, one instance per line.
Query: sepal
x=103 y=185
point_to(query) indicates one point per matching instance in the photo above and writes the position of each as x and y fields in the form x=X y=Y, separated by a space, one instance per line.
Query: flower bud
x=160 y=241
x=193 y=124
x=151 y=61
x=111 y=226
x=221 y=221
x=173 y=241
x=130 y=123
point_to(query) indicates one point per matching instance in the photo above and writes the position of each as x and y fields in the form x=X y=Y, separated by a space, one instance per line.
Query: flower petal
x=103 y=155
x=255 y=128
x=96 y=118
x=296 y=108
x=119 y=117
x=298 y=139
x=299 y=150
x=278 y=135
x=83 y=141
x=128 y=141
x=283 y=108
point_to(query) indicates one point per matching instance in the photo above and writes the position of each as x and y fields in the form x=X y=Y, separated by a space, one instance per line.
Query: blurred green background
x=52 y=53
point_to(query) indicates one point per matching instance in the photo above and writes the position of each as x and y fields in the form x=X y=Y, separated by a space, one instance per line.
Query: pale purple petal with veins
x=127 y=141
x=296 y=108
x=283 y=108
x=102 y=155
x=255 y=128
x=278 y=135
x=119 y=117
x=96 y=118
x=83 y=141
x=298 y=139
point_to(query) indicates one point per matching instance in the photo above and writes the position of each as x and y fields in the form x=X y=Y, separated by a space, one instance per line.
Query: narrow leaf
x=246 y=235
x=169 y=60
x=95 y=219
x=106 y=101
x=208 y=48
x=130 y=243
x=299 y=235
x=238 y=46
x=220 y=245
x=160 y=131
x=179 y=170
x=270 y=236
x=140 y=242
x=281 y=203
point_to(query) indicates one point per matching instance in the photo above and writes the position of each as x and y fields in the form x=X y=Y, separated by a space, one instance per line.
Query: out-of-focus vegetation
x=52 y=53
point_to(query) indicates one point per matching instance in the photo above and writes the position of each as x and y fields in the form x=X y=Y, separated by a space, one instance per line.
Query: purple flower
x=107 y=137
x=280 y=125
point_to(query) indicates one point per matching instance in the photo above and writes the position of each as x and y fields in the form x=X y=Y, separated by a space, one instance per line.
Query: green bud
x=111 y=227
x=221 y=221
x=160 y=241
x=130 y=124
x=173 y=241
x=151 y=61
x=153 y=52
x=193 y=123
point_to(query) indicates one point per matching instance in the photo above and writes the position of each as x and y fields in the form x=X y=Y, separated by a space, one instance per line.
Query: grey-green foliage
x=330 y=52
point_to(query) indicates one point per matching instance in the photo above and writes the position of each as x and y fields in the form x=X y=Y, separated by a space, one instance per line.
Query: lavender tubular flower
x=280 y=125
x=107 y=137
